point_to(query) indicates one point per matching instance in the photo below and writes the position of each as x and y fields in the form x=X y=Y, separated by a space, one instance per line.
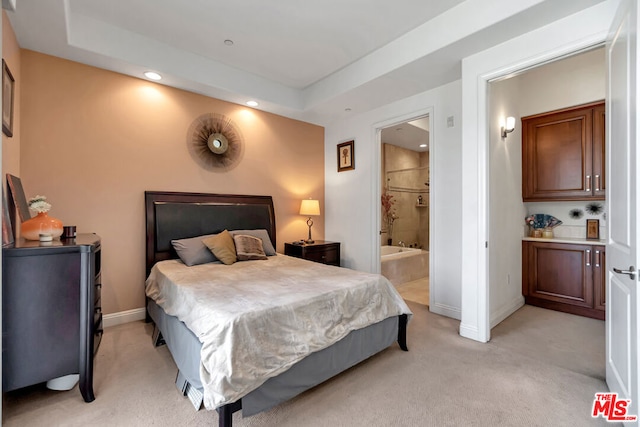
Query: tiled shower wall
x=412 y=225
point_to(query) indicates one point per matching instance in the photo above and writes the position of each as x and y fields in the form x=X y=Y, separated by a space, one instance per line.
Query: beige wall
x=93 y=141
x=11 y=145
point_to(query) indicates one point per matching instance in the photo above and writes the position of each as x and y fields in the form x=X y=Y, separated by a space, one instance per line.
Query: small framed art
x=593 y=229
x=8 y=88
x=346 y=156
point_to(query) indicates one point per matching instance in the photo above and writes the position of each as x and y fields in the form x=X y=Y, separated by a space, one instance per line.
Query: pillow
x=261 y=233
x=192 y=251
x=222 y=246
x=248 y=247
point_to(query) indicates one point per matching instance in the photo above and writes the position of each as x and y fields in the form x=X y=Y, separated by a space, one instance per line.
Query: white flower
x=39 y=204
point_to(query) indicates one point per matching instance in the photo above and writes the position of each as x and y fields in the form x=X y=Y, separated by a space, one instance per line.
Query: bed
x=186 y=329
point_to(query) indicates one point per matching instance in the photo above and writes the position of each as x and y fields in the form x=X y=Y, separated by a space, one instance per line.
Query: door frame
x=477 y=73
x=377 y=192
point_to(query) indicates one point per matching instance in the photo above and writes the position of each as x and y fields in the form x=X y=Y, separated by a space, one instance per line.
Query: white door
x=622 y=297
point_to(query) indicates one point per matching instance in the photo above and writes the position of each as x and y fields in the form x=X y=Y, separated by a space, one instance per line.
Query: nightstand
x=321 y=251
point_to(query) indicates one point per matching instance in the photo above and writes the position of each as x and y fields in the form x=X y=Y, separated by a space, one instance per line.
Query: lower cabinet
x=564 y=277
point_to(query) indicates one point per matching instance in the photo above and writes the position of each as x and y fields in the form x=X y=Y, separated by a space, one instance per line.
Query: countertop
x=573 y=240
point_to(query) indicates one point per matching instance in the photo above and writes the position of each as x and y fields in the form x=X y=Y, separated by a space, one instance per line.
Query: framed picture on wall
x=346 y=159
x=8 y=89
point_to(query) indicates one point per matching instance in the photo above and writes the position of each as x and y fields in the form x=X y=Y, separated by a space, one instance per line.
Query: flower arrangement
x=39 y=204
x=389 y=212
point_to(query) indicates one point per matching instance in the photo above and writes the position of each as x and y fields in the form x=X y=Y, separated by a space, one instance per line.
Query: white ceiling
x=409 y=135
x=311 y=61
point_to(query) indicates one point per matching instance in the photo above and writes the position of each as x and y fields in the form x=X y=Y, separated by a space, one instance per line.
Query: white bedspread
x=256 y=319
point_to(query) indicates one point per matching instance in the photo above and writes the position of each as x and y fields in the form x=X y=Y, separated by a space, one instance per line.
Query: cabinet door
x=599 y=278
x=559 y=273
x=563 y=154
x=557 y=155
x=41 y=318
x=598 y=151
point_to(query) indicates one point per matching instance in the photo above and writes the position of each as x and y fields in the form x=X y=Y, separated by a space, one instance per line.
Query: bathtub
x=401 y=265
x=390 y=252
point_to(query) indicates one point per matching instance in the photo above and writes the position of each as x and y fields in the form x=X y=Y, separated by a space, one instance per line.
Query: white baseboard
x=446 y=310
x=470 y=332
x=121 y=317
x=506 y=310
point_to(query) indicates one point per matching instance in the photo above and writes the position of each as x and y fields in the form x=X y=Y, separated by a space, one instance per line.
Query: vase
x=41 y=227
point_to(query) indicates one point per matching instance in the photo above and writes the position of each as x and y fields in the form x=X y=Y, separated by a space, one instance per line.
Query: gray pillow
x=260 y=233
x=192 y=251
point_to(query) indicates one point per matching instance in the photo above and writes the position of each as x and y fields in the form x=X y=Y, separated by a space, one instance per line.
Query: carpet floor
x=541 y=368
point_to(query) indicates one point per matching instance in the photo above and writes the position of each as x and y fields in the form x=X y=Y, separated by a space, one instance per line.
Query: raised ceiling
x=313 y=61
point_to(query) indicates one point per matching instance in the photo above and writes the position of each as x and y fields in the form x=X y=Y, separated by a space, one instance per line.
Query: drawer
x=97 y=335
x=97 y=317
x=98 y=294
x=326 y=256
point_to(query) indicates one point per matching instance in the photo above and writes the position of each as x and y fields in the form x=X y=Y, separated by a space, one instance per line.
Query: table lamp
x=310 y=208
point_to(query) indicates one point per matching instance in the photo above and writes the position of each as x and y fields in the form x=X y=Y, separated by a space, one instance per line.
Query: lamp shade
x=310 y=207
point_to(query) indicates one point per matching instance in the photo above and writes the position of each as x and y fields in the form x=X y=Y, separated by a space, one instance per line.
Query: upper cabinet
x=563 y=154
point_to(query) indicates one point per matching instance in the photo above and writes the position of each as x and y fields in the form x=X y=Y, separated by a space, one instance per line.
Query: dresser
x=51 y=311
x=320 y=251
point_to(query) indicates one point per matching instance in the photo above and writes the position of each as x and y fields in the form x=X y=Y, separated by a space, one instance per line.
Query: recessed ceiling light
x=228 y=42
x=423 y=145
x=252 y=103
x=152 y=75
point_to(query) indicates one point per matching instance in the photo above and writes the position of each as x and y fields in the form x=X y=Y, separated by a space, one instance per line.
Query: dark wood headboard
x=173 y=215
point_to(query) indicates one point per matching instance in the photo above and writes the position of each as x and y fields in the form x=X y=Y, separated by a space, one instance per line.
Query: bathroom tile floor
x=416 y=291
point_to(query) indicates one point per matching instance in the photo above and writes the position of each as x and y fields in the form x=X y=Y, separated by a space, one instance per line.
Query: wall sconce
x=310 y=208
x=508 y=127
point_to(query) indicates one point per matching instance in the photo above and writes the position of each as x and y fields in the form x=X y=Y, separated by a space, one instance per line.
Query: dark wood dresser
x=321 y=251
x=51 y=311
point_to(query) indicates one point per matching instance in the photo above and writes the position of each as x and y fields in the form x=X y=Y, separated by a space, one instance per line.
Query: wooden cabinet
x=564 y=277
x=321 y=251
x=51 y=311
x=563 y=154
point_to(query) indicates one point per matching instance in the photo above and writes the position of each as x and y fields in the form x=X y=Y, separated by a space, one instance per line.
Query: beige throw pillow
x=248 y=247
x=222 y=246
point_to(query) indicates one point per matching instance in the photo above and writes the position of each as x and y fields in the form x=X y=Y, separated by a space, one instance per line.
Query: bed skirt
x=316 y=368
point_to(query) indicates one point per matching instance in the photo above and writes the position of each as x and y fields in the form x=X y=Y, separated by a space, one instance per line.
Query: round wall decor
x=215 y=142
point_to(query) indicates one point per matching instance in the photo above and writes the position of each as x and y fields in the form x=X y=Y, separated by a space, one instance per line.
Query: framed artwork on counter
x=593 y=229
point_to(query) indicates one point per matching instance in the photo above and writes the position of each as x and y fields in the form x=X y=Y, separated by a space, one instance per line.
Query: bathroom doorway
x=405 y=207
